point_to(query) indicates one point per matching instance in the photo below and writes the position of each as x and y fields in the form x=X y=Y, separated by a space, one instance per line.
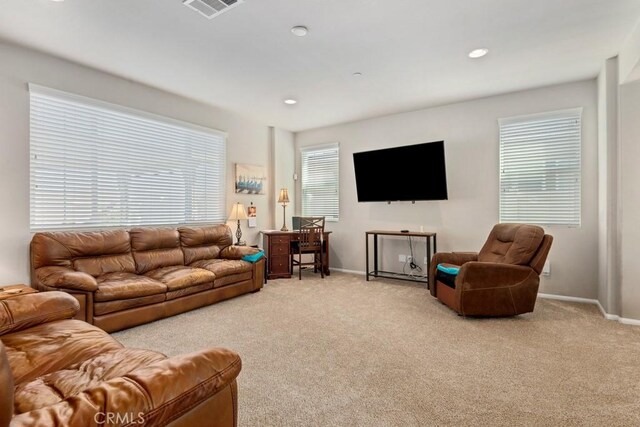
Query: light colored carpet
x=346 y=352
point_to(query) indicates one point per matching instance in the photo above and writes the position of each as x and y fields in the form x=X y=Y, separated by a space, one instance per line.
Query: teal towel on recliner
x=253 y=258
x=449 y=270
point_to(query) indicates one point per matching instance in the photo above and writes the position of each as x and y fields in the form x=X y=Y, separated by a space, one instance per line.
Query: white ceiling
x=412 y=53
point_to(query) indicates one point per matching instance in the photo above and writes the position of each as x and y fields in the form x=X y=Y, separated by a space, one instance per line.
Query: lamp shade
x=237 y=212
x=284 y=196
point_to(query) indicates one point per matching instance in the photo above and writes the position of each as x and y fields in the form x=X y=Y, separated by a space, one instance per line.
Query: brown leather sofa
x=55 y=371
x=126 y=278
x=502 y=279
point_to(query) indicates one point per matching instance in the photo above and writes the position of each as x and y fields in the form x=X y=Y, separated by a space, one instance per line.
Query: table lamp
x=238 y=213
x=284 y=199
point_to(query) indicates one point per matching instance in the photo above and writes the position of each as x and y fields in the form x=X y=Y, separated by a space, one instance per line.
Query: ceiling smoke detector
x=211 y=8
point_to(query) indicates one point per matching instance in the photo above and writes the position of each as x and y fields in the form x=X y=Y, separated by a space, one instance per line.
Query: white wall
x=629 y=57
x=248 y=141
x=630 y=198
x=608 y=187
x=470 y=131
x=284 y=161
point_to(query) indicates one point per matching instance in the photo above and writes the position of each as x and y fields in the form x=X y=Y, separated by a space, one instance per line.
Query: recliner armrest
x=154 y=395
x=66 y=278
x=29 y=310
x=237 y=252
x=486 y=275
x=456 y=258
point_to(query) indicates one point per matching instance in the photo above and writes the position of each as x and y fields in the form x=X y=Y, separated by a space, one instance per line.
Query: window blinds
x=540 y=168
x=95 y=164
x=320 y=181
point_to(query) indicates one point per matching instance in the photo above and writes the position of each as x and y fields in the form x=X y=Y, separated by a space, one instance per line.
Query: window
x=320 y=181
x=95 y=164
x=540 y=167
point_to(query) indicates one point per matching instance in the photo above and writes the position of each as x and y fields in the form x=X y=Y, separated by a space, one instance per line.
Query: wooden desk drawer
x=279 y=264
x=280 y=239
x=279 y=249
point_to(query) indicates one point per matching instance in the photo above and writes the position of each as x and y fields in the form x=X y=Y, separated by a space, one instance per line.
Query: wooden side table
x=10 y=291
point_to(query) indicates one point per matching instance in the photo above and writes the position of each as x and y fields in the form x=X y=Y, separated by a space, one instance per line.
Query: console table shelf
x=431 y=243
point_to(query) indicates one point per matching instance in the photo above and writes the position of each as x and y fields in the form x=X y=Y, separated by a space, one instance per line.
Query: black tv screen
x=408 y=173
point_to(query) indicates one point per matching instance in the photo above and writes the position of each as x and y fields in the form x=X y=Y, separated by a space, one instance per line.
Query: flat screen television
x=408 y=173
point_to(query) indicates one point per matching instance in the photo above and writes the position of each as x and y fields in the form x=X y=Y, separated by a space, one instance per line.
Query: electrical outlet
x=546 y=270
x=402 y=258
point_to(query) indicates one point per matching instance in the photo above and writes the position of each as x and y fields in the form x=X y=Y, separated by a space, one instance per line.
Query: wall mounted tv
x=408 y=173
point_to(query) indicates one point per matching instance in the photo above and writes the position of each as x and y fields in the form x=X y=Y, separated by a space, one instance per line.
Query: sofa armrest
x=29 y=310
x=488 y=275
x=237 y=252
x=66 y=278
x=456 y=258
x=155 y=395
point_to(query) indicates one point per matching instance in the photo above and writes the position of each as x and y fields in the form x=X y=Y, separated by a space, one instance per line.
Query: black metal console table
x=431 y=249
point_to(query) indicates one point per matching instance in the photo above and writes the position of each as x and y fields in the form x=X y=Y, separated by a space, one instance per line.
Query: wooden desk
x=277 y=250
x=429 y=237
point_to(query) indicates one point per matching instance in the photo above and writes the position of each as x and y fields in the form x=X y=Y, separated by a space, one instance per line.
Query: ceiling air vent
x=211 y=8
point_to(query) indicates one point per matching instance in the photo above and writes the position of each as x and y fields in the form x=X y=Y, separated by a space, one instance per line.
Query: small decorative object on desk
x=284 y=199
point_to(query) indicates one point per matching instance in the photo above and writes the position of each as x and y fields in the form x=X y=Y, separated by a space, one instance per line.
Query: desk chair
x=310 y=241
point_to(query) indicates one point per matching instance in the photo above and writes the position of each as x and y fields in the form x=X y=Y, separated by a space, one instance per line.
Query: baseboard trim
x=570 y=299
x=342 y=270
x=595 y=302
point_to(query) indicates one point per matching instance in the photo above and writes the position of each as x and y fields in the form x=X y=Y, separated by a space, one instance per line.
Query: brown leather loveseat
x=126 y=278
x=55 y=371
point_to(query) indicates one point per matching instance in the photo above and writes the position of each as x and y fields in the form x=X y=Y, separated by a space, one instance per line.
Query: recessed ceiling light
x=478 y=53
x=300 y=30
x=290 y=101
x=357 y=74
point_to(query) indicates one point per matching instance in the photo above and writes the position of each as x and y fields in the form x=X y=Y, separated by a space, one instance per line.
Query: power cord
x=416 y=270
x=412 y=263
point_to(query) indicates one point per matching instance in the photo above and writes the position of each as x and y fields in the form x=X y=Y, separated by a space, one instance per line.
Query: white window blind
x=95 y=164
x=540 y=168
x=320 y=181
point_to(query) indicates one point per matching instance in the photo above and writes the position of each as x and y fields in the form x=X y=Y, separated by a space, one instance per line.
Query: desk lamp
x=284 y=199
x=238 y=213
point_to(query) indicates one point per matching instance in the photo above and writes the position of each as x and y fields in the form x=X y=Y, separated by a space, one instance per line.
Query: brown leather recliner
x=55 y=371
x=502 y=279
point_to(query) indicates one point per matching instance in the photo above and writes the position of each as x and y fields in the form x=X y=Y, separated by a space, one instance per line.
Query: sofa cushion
x=224 y=267
x=117 y=286
x=71 y=341
x=178 y=277
x=19 y=313
x=106 y=307
x=54 y=387
x=92 y=252
x=514 y=244
x=232 y=279
x=179 y=293
x=202 y=243
x=155 y=248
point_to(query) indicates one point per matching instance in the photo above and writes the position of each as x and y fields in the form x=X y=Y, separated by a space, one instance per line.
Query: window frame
x=313 y=148
x=125 y=215
x=566 y=114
